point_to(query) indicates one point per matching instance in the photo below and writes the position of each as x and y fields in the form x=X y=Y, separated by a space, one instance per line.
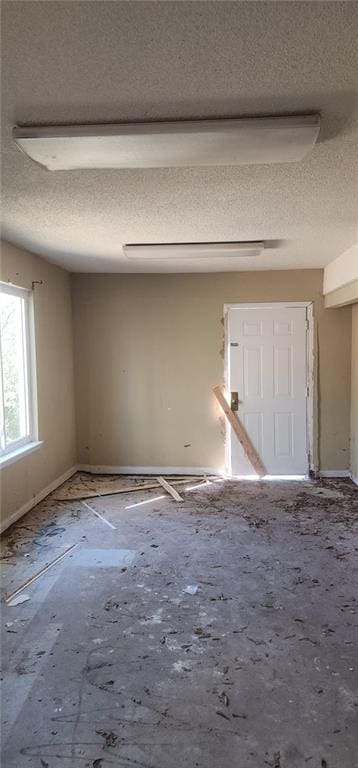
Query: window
x=18 y=426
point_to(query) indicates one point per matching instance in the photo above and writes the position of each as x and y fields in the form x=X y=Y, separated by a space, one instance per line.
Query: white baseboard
x=334 y=473
x=36 y=499
x=355 y=479
x=105 y=469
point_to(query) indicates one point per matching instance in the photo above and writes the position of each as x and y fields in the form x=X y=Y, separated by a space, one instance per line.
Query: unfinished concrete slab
x=118 y=663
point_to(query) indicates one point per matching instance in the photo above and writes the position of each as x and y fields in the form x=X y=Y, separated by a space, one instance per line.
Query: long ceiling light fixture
x=172 y=251
x=241 y=141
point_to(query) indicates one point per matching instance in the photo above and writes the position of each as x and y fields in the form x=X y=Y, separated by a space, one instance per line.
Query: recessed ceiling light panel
x=242 y=141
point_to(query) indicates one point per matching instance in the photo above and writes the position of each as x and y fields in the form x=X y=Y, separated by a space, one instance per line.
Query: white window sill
x=19 y=453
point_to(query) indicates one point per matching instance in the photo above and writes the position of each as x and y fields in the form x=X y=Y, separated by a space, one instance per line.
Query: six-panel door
x=268 y=369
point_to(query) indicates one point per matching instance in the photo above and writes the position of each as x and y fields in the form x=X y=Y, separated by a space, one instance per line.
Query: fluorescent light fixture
x=171 y=251
x=239 y=141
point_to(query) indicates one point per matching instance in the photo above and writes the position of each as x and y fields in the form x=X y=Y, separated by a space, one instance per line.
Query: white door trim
x=310 y=378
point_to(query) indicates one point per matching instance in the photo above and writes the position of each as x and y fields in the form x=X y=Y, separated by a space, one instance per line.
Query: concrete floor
x=112 y=663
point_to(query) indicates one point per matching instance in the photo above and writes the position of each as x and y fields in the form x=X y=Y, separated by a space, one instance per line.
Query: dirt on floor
x=219 y=632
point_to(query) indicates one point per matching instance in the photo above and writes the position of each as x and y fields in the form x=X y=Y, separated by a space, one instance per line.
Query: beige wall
x=28 y=476
x=354 y=394
x=149 y=350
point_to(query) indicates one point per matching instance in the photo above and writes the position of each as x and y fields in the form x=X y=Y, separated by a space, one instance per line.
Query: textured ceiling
x=90 y=61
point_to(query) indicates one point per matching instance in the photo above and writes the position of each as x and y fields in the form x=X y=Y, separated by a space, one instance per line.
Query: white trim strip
x=98 y=514
x=37 y=575
x=147 y=501
x=334 y=473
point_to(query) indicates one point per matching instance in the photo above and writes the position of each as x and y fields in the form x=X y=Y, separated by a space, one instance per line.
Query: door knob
x=234 y=401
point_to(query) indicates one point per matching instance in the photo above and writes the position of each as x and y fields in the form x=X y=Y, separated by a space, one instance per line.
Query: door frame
x=311 y=400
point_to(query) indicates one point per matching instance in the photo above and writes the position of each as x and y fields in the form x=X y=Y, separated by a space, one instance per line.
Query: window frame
x=15 y=448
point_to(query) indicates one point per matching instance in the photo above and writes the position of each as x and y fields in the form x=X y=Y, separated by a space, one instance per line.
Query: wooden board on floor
x=169 y=489
x=240 y=433
x=79 y=495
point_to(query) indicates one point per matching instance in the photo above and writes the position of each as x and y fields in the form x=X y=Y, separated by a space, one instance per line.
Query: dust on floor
x=216 y=633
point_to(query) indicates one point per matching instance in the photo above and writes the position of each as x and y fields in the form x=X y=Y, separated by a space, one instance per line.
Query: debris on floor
x=18 y=599
x=109 y=485
x=112 y=661
x=191 y=589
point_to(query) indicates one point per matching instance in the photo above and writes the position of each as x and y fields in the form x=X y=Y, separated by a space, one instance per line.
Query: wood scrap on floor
x=86 y=494
x=167 y=487
x=240 y=433
x=37 y=575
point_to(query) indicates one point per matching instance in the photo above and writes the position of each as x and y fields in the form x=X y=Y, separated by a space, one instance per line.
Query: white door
x=268 y=369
